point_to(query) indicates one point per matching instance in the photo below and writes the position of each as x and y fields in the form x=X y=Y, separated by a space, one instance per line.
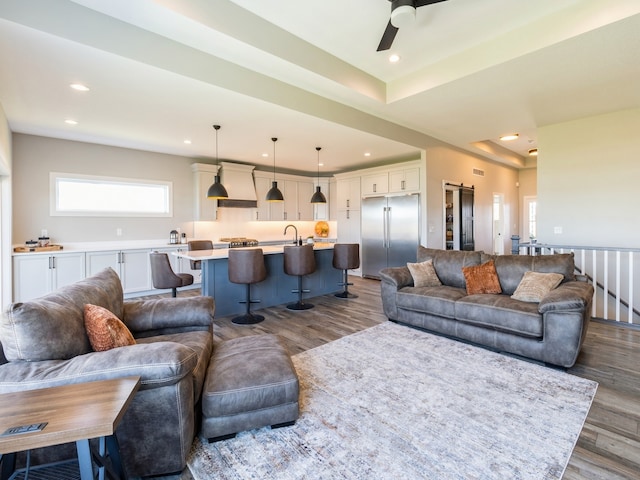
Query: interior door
x=466 y=219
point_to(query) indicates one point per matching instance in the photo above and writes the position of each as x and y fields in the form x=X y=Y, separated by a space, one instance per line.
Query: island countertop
x=219 y=253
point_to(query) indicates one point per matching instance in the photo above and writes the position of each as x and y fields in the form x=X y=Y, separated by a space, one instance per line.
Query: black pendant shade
x=274 y=195
x=318 y=196
x=217 y=190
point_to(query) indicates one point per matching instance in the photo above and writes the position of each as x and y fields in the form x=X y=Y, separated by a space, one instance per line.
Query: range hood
x=238 y=180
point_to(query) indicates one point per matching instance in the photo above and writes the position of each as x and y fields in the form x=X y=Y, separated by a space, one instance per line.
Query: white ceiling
x=307 y=72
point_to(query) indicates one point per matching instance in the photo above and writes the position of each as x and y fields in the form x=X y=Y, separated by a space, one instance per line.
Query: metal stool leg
x=300 y=305
x=248 y=318
x=345 y=293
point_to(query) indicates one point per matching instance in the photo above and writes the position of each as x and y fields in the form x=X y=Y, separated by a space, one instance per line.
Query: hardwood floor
x=609 y=445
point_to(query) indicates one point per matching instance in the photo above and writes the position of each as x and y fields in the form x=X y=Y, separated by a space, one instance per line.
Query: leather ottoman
x=250 y=383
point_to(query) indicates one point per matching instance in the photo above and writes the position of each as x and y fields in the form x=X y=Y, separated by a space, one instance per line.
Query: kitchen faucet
x=295 y=237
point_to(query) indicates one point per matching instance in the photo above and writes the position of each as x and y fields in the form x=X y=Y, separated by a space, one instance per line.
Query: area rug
x=392 y=402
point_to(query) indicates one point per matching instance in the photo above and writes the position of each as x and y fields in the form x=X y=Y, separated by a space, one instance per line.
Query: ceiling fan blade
x=387 y=37
x=422 y=3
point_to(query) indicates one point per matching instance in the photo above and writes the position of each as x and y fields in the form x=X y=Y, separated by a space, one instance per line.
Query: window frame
x=56 y=177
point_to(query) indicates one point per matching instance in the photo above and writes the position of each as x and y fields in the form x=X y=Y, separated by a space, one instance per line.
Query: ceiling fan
x=403 y=13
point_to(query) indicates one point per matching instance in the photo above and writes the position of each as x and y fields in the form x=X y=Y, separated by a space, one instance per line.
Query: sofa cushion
x=448 y=263
x=433 y=300
x=482 y=278
x=52 y=327
x=511 y=268
x=535 y=285
x=500 y=312
x=105 y=330
x=423 y=274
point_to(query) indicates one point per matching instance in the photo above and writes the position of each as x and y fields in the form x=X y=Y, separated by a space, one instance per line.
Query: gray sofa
x=45 y=344
x=549 y=331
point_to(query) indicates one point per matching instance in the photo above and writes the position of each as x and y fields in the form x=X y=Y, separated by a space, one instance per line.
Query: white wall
x=455 y=166
x=588 y=174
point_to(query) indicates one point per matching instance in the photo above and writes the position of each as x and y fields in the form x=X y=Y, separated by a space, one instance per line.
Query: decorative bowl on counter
x=322 y=229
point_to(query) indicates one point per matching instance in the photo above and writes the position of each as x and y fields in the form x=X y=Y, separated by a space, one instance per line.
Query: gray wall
x=34 y=157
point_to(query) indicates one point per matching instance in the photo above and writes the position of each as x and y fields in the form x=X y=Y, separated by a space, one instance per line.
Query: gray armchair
x=44 y=344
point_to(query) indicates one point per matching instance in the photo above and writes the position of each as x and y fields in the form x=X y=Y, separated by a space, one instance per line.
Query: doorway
x=458 y=217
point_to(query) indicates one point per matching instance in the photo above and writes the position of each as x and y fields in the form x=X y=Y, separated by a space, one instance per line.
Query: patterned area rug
x=392 y=402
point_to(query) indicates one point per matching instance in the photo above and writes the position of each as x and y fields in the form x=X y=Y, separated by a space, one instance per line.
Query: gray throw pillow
x=535 y=285
x=424 y=275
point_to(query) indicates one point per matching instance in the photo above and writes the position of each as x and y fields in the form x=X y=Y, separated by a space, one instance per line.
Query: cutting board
x=49 y=248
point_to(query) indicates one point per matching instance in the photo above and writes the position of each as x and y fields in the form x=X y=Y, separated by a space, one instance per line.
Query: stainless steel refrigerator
x=390 y=232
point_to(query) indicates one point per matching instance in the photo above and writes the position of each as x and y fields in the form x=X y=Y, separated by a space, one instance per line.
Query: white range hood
x=238 y=180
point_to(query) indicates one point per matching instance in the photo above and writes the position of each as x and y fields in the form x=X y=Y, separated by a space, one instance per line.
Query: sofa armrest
x=397 y=277
x=569 y=296
x=168 y=315
x=157 y=364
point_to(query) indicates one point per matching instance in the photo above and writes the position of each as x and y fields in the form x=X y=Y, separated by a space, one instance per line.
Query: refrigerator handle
x=388 y=229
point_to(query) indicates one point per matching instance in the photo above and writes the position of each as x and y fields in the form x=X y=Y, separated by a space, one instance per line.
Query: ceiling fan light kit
x=403 y=14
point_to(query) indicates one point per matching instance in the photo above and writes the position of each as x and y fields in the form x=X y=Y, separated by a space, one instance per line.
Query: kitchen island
x=274 y=290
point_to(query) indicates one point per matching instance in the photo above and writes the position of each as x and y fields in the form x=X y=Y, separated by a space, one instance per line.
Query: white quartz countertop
x=224 y=252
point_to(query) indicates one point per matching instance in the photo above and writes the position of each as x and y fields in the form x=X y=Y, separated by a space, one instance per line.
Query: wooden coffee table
x=72 y=413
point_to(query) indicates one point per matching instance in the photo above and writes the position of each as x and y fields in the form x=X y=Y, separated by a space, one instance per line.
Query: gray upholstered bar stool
x=345 y=257
x=163 y=276
x=299 y=261
x=198 y=245
x=247 y=266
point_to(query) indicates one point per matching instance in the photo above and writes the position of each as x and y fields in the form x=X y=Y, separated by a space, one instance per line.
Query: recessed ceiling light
x=68 y=121
x=511 y=136
x=394 y=58
x=367 y=154
x=79 y=87
x=265 y=155
x=187 y=142
x=533 y=152
x=321 y=164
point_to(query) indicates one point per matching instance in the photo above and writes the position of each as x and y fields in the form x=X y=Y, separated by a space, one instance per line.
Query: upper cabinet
x=297 y=192
x=404 y=180
x=204 y=174
x=375 y=183
x=348 y=193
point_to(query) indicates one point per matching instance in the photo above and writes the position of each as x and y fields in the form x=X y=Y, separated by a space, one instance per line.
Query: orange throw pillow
x=482 y=278
x=105 y=330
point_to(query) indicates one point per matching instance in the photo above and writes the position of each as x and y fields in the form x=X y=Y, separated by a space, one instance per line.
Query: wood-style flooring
x=609 y=445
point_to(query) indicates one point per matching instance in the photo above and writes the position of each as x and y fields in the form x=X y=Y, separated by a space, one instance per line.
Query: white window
x=93 y=196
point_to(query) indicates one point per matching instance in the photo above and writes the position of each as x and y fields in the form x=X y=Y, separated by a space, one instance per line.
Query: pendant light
x=274 y=195
x=217 y=190
x=318 y=197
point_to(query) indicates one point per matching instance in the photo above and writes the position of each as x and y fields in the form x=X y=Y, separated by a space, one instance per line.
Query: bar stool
x=299 y=261
x=247 y=266
x=345 y=257
x=163 y=276
x=198 y=245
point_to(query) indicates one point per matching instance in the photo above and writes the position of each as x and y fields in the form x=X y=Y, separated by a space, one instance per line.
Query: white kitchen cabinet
x=37 y=275
x=132 y=266
x=375 y=183
x=348 y=193
x=206 y=209
x=297 y=195
x=405 y=180
x=349 y=226
x=305 y=207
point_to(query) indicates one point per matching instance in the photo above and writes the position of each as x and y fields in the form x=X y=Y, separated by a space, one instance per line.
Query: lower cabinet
x=132 y=266
x=36 y=275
